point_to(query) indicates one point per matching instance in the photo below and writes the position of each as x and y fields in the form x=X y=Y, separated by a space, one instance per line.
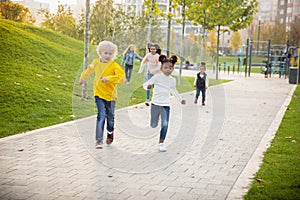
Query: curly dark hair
x=164 y=59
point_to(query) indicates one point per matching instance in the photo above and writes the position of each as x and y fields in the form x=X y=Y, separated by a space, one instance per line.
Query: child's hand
x=183 y=101
x=206 y=87
x=81 y=82
x=149 y=87
x=194 y=85
x=104 y=79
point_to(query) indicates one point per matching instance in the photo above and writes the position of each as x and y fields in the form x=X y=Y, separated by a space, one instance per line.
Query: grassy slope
x=33 y=59
x=279 y=175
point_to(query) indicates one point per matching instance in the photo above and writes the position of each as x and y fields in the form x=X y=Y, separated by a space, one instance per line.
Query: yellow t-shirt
x=111 y=70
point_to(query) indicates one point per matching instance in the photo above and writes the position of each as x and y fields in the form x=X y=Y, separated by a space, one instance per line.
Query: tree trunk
x=86 y=47
x=218 y=44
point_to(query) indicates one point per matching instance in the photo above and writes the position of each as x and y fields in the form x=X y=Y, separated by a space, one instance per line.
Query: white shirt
x=163 y=86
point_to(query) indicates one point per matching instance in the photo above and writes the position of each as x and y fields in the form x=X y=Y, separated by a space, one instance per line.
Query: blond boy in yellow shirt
x=108 y=74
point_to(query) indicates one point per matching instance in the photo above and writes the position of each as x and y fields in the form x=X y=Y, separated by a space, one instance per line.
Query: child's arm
x=123 y=59
x=118 y=77
x=138 y=57
x=206 y=82
x=195 y=81
x=86 y=73
x=148 y=84
x=176 y=94
x=144 y=61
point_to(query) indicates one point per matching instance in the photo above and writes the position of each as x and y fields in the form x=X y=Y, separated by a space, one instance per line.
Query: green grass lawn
x=279 y=175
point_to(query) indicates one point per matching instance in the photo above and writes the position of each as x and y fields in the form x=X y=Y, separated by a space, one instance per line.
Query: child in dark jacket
x=201 y=83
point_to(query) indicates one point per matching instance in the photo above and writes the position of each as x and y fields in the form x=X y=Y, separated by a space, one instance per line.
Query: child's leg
x=130 y=72
x=197 y=95
x=203 y=94
x=155 y=112
x=164 y=123
x=126 y=71
x=110 y=122
x=100 y=118
x=148 y=91
x=110 y=115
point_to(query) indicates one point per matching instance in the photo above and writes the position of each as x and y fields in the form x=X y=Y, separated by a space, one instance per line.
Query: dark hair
x=158 y=50
x=163 y=59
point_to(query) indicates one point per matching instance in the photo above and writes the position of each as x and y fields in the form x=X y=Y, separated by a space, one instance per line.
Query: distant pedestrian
x=129 y=56
x=201 y=83
x=153 y=65
x=160 y=105
x=108 y=74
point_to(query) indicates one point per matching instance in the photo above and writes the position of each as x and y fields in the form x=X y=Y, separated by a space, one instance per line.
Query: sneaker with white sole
x=161 y=147
x=99 y=145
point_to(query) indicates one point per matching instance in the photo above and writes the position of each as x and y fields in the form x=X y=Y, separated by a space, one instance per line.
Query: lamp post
x=258 y=37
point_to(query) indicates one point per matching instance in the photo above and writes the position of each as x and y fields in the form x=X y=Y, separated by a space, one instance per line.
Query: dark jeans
x=164 y=113
x=128 y=71
x=106 y=110
x=203 y=91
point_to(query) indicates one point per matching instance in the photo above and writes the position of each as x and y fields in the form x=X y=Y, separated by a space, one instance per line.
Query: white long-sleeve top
x=153 y=63
x=163 y=86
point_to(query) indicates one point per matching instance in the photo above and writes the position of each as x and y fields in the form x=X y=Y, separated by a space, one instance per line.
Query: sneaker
x=203 y=103
x=147 y=103
x=161 y=147
x=99 y=145
x=110 y=138
x=196 y=101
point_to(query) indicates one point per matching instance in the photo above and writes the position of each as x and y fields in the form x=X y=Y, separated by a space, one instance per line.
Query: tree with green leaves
x=62 y=21
x=15 y=12
x=235 y=41
x=221 y=15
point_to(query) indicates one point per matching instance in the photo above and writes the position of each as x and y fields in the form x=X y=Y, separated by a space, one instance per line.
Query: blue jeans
x=148 y=91
x=164 y=113
x=203 y=91
x=106 y=110
x=128 y=71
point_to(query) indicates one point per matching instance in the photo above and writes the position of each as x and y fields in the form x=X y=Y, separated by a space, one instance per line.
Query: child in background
x=201 y=83
x=160 y=105
x=128 y=58
x=108 y=74
x=153 y=66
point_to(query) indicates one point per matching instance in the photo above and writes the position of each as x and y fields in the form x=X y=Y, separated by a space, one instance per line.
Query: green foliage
x=235 y=41
x=62 y=21
x=15 y=12
x=279 y=175
x=38 y=67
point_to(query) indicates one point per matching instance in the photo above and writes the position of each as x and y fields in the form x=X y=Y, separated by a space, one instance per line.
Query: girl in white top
x=160 y=105
x=153 y=66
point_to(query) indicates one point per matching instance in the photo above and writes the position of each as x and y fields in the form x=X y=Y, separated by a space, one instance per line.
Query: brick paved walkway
x=209 y=149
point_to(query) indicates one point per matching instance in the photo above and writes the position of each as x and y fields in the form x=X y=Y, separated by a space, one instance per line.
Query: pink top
x=153 y=63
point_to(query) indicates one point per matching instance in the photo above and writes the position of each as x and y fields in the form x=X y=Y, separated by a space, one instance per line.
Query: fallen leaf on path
x=20 y=149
